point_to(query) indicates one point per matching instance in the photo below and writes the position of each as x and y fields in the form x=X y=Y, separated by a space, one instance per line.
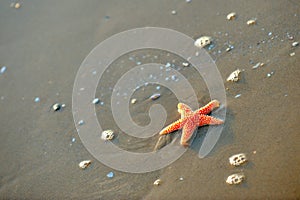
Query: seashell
x=237 y=96
x=251 y=22
x=84 y=164
x=234 y=76
x=133 y=101
x=259 y=64
x=2 y=70
x=157 y=182
x=37 y=99
x=238 y=159
x=231 y=16
x=110 y=175
x=154 y=96
x=235 y=179
x=107 y=135
x=292 y=54
x=294 y=44
x=203 y=41
x=17 y=5
x=185 y=64
x=56 y=107
x=96 y=101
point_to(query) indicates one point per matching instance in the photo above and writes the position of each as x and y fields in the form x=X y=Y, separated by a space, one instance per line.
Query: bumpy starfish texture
x=190 y=120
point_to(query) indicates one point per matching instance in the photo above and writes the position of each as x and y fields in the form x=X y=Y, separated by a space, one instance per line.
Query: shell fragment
x=234 y=76
x=56 y=107
x=294 y=44
x=259 y=64
x=17 y=5
x=96 y=101
x=157 y=182
x=238 y=159
x=203 y=41
x=251 y=22
x=231 y=16
x=107 y=135
x=84 y=164
x=133 y=101
x=235 y=179
x=185 y=64
x=154 y=96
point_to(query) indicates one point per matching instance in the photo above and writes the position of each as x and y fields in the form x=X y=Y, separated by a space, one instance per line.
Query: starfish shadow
x=226 y=138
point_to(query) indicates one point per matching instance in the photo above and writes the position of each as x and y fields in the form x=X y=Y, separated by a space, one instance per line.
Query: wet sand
x=42 y=44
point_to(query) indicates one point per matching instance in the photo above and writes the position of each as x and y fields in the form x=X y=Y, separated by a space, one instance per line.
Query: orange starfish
x=190 y=120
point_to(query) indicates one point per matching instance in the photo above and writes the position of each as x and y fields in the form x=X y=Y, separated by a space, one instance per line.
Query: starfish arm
x=187 y=132
x=209 y=120
x=208 y=107
x=184 y=109
x=172 y=127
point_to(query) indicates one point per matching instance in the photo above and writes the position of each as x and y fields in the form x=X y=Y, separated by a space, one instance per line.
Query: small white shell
x=107 y=135
x=235 y=179
x=251 y=22
x=203 y=41
x=185 y=64
x=238 y=159
x=259 y=64
x=154 y=96
x=96 y=101
x=157 y=182
x=17 y=5
x=84 y=164
x=231 y=16
x=294 y=44
x=234 y=76
x=133 y=101
x=56 y=107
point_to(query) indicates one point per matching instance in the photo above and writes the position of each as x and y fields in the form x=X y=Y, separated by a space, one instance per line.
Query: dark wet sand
x=43 y=44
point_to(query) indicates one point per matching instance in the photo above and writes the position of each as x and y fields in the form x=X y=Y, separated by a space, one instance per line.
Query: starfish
x=190 y=120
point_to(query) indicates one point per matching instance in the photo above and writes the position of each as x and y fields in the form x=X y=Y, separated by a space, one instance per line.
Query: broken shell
x=234 y=76
x=110 y=175
x=133 y=101
x=259 y=64
x=157 y=182
x=185 y=64
x=251 y=22
x=238 y=159
x=237 y=96
x=235 y=179
x=56 y=107
x=203 y=41
x=96 y=101
x=231 y=16
x=294 y=44
x=228 y=49
x=107 y=135
x=84 y=164
x=155 y=96
x=17 y=5
x=2 y=70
